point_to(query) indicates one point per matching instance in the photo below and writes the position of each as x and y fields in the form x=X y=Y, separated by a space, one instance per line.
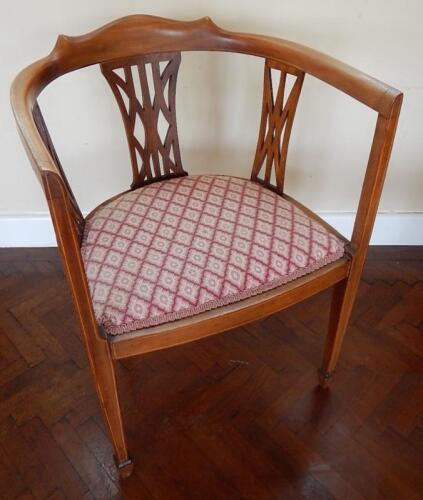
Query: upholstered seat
x=183 y=246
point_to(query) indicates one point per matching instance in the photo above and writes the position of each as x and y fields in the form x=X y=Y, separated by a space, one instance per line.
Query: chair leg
x=105 y=380
x=343 y=298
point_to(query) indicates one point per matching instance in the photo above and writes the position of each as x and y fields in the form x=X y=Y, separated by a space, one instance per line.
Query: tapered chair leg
x=343 y=298
x=105 y=379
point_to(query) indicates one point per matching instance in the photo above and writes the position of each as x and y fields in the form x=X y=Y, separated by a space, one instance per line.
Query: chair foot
x=325 y=378
x=125 y=468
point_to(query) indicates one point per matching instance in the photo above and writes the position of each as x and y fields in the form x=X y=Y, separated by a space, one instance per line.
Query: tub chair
x=177 y=258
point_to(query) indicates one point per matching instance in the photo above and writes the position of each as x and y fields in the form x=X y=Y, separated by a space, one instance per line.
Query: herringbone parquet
x=234 y=416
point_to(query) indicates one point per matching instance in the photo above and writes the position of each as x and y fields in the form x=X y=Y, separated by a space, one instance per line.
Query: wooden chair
x=133 y=43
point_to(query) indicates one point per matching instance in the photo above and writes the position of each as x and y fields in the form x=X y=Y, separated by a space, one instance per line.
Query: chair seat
x=183 y=246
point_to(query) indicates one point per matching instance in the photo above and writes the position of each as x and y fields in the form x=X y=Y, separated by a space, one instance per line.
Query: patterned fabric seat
x=179 y=247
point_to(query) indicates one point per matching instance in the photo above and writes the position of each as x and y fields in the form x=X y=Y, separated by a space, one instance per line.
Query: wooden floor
x=234 y=416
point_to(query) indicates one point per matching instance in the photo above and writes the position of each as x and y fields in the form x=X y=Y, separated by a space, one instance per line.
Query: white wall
x=218 y=105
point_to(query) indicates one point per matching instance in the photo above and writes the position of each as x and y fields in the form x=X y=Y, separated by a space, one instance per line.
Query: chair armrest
x=65 y=213
x=23 y=97
x=38 y=144
x=375 y=175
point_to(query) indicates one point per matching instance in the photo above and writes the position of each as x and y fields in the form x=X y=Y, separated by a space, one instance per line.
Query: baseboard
x=26 y=230
x=36 y=230
x=391 y=228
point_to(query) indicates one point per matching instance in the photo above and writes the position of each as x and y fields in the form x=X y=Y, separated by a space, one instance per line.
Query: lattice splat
x=278 y=111
x=146 y=104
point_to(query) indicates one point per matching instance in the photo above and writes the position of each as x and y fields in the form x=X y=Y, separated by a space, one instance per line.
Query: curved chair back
x=139 y=41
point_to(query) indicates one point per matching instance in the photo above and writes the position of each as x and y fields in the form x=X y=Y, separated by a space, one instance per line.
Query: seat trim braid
x=228 y=317
x=229 y=299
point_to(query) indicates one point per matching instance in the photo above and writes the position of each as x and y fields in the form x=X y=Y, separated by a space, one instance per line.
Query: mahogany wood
x=277 y=117
x=158 y=158
x=75 y=211
x=344 y=295
x=141 y=40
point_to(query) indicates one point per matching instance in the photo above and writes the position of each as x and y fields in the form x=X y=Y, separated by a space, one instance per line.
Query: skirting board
x=36 y=230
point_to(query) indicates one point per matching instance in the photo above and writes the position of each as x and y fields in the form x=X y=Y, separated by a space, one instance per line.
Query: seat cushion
x=179 y=247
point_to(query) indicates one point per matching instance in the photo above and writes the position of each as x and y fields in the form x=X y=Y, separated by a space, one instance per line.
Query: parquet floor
x=234 y=416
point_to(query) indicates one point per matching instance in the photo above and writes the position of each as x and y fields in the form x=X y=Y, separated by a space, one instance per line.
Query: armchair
x=177 y=258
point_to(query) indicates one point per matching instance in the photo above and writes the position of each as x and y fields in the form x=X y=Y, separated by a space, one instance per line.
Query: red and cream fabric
x=179 y=247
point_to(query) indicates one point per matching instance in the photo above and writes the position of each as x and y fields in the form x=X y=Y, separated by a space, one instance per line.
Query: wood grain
x=277 y=117
x=153 y=157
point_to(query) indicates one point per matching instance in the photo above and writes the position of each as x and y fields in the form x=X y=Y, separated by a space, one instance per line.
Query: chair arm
x=65 y=213
x=23 y=96
x=371 y=191
x=38 y=144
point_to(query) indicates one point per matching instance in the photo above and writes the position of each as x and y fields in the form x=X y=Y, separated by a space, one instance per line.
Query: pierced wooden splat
x=278 y=112
x=147 y=106
x=75 y=212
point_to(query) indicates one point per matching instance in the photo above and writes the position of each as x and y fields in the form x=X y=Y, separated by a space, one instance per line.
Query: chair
x=177 y=258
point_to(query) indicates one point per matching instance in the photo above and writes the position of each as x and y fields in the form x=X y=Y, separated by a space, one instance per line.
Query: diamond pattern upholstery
x=179 y=247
